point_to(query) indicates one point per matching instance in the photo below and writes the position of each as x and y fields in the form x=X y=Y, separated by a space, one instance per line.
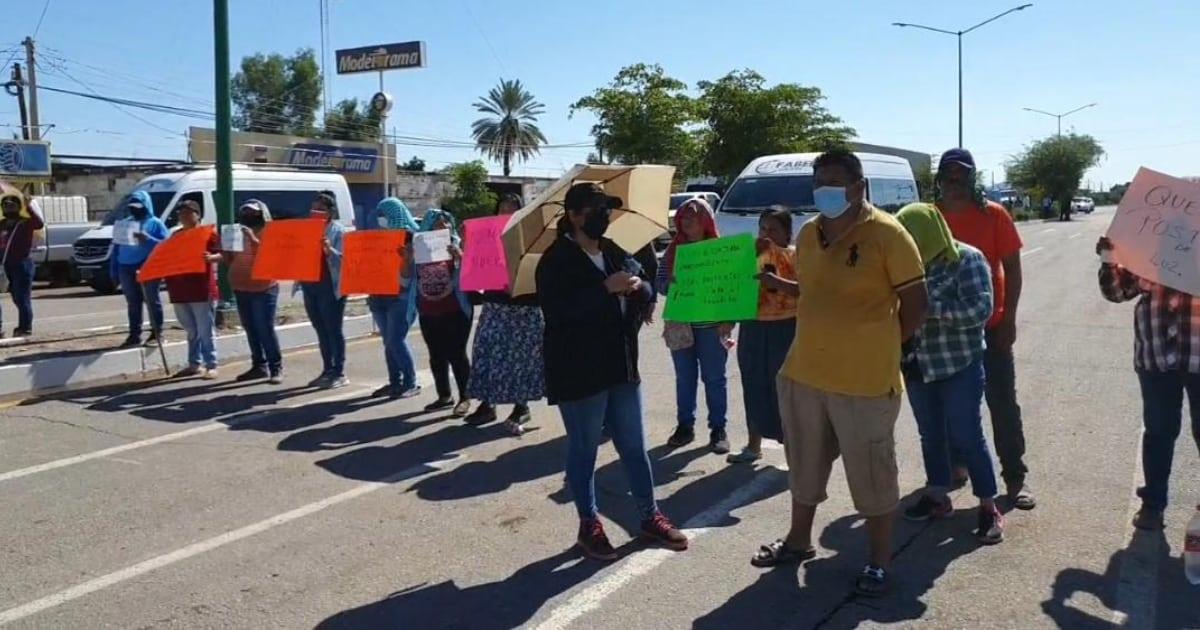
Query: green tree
x=1053 y=167
x=277 y=94
x=470 y=197
x=643 y=116
x=416 y=165
x=746 y=119
x=351 y=120
x=924 y=178
x=511 y=131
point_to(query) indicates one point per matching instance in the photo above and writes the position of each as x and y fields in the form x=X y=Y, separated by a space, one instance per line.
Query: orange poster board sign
x=290 y=250
x=181 y=254
x=371 y=262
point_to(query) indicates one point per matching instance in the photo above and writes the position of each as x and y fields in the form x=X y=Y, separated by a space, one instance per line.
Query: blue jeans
x=198 y=320
x=1162 y=416
x=325 y=311
x=393 y=321
x=705 y=360
x=949 y=417
x=137 y=294
x=20 y=284
x=620 y=409
x=257 y=312
x=761 y=350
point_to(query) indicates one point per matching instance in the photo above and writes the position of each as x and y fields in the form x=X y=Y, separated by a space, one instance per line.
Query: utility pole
x=35 y=127
x=19 y=84
x=223 y=196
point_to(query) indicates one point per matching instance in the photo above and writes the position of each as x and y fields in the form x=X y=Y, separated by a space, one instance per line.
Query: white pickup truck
x=66 y=219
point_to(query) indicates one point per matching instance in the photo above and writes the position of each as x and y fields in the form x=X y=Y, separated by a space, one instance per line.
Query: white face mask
x=831 y=201
x=383 y=222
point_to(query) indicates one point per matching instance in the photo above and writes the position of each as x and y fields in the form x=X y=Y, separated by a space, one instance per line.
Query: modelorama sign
x=359 y=162
x=379 y=58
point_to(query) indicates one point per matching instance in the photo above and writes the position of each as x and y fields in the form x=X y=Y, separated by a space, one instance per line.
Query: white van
x=288 y=193
x=787 y=180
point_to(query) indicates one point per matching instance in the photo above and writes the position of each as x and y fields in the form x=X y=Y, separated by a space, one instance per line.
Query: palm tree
x=511 y=130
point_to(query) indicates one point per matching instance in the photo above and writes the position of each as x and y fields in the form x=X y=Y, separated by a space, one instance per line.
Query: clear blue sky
x=894 y=86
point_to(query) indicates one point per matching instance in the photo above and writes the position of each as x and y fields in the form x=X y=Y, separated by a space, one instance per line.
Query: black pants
x=1001 y=394
x=446 y=337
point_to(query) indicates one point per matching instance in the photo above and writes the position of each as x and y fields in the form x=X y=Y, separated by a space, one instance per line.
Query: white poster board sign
x=123 y=232
x=1156 y=231
x=233 y=239
x=430 y=247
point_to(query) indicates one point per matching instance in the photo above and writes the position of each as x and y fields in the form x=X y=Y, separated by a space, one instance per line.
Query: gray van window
x=891 y=194
x=755 y=194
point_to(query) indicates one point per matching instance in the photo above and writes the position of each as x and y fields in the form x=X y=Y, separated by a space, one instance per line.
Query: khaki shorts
x=819 y=426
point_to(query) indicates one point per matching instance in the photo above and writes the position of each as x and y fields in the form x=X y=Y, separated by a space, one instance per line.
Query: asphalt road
x=224 y=506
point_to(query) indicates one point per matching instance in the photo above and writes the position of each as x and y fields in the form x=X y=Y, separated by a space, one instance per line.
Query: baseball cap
x=584 y=195
x=135 y=204
x=959 y=156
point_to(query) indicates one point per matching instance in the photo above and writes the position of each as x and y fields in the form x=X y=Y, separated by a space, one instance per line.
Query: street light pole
x=1059 y=117
x=223 y=195
x=959 y=35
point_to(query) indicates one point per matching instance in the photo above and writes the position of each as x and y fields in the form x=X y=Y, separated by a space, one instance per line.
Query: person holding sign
x=394 y=314
x=506 y=361
x=19 y=221
x=861 y=295
x=987 y=226
x=445 y=316
x=194 y=297
x=125 y=262
x=591 y=292
x=763 y=342
x=699 y=351
x=323 y=299
x=943 y=368
x=1166 y=358
x=256 y=299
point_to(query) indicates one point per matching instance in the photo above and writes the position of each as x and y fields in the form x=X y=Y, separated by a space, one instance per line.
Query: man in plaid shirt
x=1166 y=357
x=943 y=370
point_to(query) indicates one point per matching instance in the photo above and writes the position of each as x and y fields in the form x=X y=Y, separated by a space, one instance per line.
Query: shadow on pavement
x=474 y=479
x=508 y=603
x=172 y=406
x=358 y=433
x=1175 y=605
x=377 y=463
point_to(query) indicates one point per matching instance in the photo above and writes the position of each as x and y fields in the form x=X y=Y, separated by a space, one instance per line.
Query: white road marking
x=1047 y=231
x=1075 y=236
x=171 y=437
x=195 y=549
x=590 y=595
x=1137 y=582
x=1030 y=252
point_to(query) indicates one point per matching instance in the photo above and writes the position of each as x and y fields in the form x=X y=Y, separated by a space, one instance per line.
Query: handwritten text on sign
x=1156 y=231
x=714 y=281
x=371 y=262
x=483 y=266
x=290 y=250
x=181 y=254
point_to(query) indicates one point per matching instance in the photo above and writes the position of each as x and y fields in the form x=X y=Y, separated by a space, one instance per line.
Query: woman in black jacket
x=593 y=295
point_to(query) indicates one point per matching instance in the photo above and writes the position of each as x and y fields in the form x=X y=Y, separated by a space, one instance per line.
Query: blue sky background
x=894 y=86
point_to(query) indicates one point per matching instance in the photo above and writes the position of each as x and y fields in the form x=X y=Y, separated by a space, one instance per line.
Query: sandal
x=873 y=581
x=747 y=456
x=778 y=553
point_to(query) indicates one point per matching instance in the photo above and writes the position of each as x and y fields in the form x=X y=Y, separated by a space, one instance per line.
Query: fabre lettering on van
x=340 y=159
x=771 y=167
x=400 y=56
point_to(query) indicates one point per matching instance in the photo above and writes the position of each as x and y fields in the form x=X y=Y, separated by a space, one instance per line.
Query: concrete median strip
x=91 y=368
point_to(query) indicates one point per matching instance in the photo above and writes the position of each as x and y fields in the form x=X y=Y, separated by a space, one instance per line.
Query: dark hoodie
x=590 y=343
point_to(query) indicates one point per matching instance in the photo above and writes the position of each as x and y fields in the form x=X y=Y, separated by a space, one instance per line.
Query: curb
x=133 y=364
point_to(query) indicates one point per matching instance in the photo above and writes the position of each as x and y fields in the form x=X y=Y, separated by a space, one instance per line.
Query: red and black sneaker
x=660 y=529
x=593 y=541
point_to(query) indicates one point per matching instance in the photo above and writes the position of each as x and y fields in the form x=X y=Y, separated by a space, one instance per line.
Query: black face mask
x=137 y=213
x=12 y=213
x=252 y=221
x=595 y=224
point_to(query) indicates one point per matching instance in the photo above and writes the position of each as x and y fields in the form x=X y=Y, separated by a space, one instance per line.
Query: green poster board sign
x=714 y=281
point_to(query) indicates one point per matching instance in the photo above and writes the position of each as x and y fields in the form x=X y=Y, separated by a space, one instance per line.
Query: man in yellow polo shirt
x=861 y=295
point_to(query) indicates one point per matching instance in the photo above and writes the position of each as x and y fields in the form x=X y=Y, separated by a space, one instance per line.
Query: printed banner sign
x=1156 y=231
x=483 y=265
x=400 y=56
x=181 y=254
x=371 y=262
x=714 y=281
x=290 y=250
x=233 y=238
x=431 y=247
x=123 y=232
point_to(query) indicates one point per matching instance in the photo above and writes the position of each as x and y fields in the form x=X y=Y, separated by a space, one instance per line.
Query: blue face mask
x=831 y=201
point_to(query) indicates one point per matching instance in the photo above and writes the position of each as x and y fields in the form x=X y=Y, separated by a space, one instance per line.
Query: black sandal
x=778 y=553
x=873 y=581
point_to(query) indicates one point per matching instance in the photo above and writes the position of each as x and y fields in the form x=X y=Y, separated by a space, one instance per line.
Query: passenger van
x=787 y=180
x=287 y=192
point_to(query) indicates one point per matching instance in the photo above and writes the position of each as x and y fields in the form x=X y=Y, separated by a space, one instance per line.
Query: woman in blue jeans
x=591 y=292
x=943 y=370
x=699 y=351
x=19 y=220
x=323 y=300
x=394 y=314
x=126 y=260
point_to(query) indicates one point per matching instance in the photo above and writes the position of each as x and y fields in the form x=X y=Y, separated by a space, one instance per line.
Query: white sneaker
x=210 y=374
